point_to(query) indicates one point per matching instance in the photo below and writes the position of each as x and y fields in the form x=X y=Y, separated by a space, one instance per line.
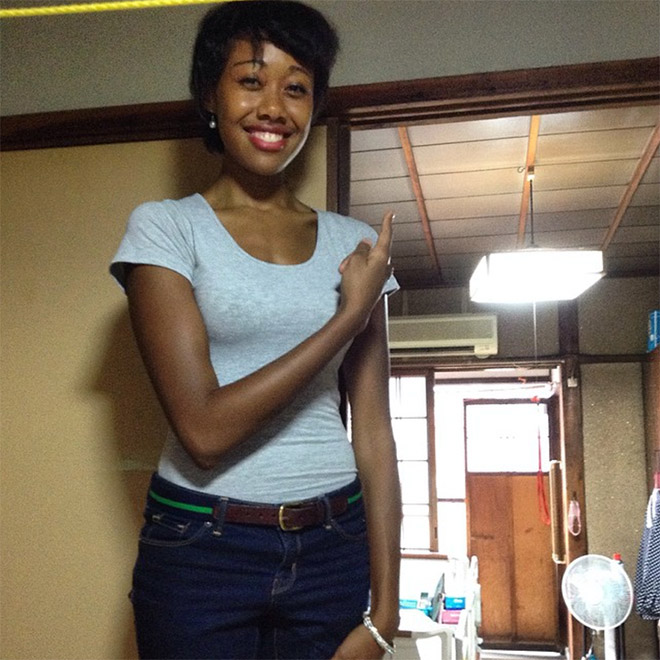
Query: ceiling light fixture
x=535 y=274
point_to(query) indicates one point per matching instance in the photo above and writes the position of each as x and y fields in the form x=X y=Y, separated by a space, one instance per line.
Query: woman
x=267 y=533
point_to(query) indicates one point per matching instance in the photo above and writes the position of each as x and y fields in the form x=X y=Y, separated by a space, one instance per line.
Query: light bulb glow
x=535 y=275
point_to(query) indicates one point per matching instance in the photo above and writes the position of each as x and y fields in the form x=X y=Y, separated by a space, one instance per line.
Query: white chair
x=433 y=646
x=433 y=641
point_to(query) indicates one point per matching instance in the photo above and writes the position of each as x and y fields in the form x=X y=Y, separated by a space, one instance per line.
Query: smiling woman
x=263 y=107
x=266 y=531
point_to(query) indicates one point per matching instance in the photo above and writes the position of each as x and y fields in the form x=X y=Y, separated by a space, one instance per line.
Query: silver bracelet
x=378 y=638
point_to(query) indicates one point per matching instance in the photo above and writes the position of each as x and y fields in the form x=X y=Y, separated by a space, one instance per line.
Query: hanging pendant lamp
x=535 y=274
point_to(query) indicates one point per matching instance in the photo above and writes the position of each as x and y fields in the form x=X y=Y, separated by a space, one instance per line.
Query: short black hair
x=299 y=30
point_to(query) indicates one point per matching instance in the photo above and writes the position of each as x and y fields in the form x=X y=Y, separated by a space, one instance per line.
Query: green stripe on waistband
x=208 y=509
x=354 y=498
x=181 y=505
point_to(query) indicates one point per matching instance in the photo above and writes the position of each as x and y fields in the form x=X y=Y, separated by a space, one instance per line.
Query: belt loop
x=219 y=513
x=328 y=511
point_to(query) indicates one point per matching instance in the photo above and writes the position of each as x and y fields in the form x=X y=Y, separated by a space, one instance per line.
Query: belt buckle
x=280 y=517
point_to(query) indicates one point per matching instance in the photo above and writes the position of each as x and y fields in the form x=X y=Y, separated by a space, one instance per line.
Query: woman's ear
x=209 y=104
x=210 y=114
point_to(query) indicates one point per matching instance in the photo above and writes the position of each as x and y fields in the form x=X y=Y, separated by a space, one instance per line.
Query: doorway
x=507 y=455
x=474 y=448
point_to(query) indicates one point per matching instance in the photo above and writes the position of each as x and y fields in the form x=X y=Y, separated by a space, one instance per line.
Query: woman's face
x=264 y=103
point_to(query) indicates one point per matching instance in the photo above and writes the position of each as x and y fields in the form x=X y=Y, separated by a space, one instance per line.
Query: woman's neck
x=237 y=188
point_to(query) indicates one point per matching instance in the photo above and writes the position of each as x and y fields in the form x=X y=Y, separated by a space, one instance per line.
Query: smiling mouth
x=267 y=140
x=267 y=137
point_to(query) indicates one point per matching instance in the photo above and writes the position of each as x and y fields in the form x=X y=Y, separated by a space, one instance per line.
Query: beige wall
x=615 y=476
x=80 y=428
x=613 y=319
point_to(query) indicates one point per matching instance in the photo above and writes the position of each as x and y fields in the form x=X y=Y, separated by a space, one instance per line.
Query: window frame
x=429 y=373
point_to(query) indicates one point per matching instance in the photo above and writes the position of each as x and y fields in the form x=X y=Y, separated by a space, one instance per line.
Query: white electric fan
x=599 y=594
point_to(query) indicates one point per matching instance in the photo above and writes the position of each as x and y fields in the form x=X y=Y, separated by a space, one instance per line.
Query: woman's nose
x=271 y=105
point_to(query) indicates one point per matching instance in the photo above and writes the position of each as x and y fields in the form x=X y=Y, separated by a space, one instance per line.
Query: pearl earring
x=213 y=121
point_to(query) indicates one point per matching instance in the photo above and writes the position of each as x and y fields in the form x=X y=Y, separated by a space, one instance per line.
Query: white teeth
x=267 y=137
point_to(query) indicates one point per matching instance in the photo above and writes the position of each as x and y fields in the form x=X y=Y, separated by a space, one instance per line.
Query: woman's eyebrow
x=300 y=69
x=251 y=61
x=294 y=68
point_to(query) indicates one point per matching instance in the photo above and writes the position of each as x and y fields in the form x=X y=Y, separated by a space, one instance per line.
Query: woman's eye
x=250 y=82
x=296 y=89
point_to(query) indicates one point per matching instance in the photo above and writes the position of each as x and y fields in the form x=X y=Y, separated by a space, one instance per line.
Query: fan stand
x=609 y=637
x=609 y=644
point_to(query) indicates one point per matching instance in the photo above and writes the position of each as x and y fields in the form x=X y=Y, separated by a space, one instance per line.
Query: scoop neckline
x=214 y=216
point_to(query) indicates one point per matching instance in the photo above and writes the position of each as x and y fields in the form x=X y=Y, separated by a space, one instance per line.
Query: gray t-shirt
x=254 y=312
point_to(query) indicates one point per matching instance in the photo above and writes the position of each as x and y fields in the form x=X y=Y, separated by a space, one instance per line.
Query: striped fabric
x=647 y=577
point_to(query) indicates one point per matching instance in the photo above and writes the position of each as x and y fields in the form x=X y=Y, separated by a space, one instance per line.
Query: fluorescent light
x=534 y=275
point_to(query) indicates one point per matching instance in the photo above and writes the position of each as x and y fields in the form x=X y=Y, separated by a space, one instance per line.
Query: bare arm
x=210 y=419
x=367 y=377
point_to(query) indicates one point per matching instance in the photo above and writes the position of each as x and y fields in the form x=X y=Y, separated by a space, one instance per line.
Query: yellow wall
x=80 y=429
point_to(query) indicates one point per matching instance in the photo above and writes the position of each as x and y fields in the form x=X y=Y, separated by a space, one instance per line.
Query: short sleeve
x=157 y=234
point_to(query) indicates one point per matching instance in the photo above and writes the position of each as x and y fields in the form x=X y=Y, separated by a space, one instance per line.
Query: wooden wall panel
x=516 y=572
x=534 y=571
x=491 y=541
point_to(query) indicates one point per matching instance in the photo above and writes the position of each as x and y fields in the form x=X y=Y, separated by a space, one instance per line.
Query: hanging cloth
x=647 y=576
x=574 y=517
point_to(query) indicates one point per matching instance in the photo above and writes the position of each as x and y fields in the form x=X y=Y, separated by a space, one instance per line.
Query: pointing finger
x=386 y=232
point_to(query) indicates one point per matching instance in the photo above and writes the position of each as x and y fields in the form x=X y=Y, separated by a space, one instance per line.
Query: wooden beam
x=500 y=93
x=338 y=150
x=532 y=141
x=419 y=198
x=638 y=175
x=473 y=96
x=125 y=123
x=573 y=479
x=430 y=443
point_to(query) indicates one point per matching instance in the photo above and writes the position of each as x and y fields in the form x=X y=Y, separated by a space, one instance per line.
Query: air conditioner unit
x=455 y=334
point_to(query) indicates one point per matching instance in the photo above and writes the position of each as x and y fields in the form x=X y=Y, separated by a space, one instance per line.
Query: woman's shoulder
x=185 y=216
x=174 y=208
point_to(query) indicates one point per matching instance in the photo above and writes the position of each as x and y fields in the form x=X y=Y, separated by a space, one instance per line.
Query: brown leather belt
x=289 y=516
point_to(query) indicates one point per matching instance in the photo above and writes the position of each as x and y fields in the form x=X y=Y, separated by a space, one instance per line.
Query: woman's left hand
x=359 y=645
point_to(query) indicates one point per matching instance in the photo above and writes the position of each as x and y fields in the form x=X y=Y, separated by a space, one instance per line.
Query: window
x=444 y=429
x=495 y=444
x=408 y=405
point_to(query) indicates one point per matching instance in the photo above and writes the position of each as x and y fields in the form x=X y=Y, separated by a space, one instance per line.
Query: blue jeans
x=204 y=588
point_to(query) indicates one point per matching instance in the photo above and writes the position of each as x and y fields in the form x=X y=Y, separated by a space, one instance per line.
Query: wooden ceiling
x=460 y=189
